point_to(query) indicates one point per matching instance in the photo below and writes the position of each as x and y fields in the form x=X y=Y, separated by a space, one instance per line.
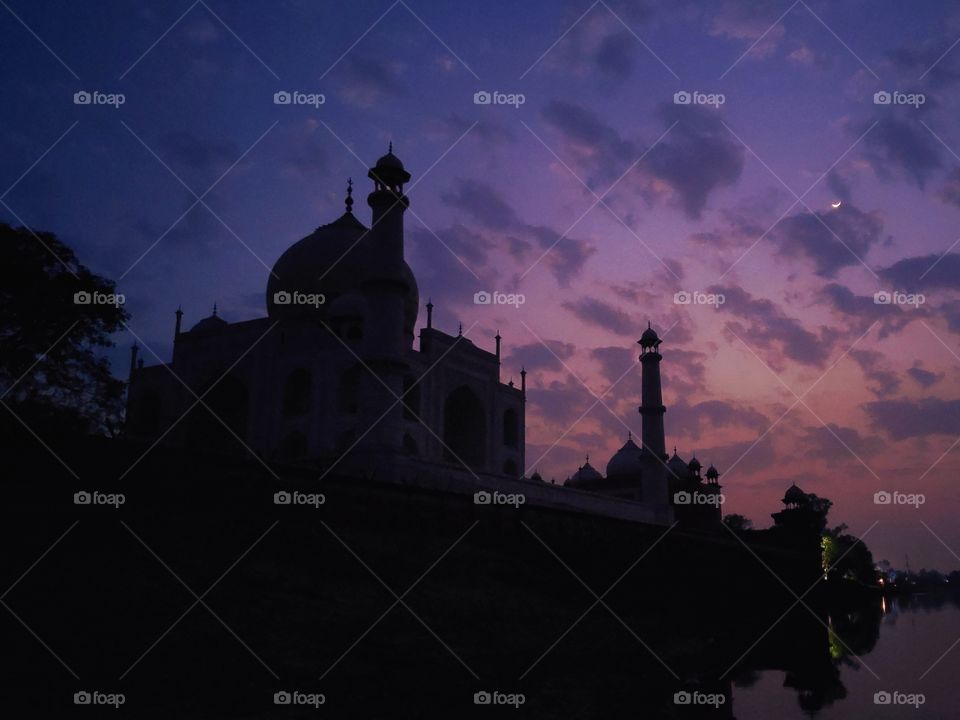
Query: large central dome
x=332 y=261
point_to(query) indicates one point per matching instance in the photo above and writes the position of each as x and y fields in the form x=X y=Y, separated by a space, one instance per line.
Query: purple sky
x=599 y=198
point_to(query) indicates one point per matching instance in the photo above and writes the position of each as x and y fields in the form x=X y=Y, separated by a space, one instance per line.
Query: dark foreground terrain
x=200 y=597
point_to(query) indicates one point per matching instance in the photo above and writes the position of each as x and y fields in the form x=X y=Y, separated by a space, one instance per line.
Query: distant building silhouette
x=646 y=474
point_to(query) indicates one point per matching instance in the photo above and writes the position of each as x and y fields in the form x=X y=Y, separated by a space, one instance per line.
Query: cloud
x=839 y=185
x=534 y=356
x=488 y=132
x=766 y=326
x=951 y=311
x=750 y=21
x=692 y=362
x=184 y=149
x=692 y=419
x=930 y=58
x=450 y=282
x=303 y=153
x=482 y=203
x=468 y=245
x=564 y=256
x=368 y=80
x=695 y=158
x=593 y=145
x=950 y=192
x=924 y=272
x=872 y=364
x=614 y=360
x=614 y=57
x=834 y=443
x=864 y=310
x=745 y=457
x=601 y=314
x=557 y=404
x=898 y=149
x=831 y=240
x=903 y=419
x=802 y=55
x=598 y=46
x=924 y=378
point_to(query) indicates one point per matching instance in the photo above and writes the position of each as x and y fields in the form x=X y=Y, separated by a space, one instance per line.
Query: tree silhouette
x=737 y=523
x=55 y=318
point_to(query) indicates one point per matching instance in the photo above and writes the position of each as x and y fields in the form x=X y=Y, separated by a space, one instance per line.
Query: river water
x=911 y=658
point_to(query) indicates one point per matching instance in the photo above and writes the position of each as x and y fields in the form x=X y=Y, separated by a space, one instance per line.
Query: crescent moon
x=836 y=204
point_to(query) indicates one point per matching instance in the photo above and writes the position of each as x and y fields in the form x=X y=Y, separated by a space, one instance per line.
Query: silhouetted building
x=799 y=516
x=332 y=368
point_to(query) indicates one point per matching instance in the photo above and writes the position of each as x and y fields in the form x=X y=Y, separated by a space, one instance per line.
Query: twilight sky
x=599 y=199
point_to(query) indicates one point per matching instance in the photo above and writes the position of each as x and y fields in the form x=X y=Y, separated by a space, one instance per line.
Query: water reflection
x=835 y=668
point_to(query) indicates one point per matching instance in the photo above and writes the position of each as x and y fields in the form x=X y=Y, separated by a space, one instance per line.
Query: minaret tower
x=656 y=489
x=651 y=408
x=385 y=343
x=388 y=203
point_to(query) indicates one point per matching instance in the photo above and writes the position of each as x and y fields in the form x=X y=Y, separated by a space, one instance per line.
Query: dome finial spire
x=214 y=309
x=349 y=201
x=390 y=148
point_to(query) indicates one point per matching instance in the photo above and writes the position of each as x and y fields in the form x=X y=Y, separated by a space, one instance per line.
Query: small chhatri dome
x=794 y=495
x=390 y=160
x=626 y=462
x=712 y=473
x=389 y=171
x=694 y=464
x=649 y=338
x=536 y=477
